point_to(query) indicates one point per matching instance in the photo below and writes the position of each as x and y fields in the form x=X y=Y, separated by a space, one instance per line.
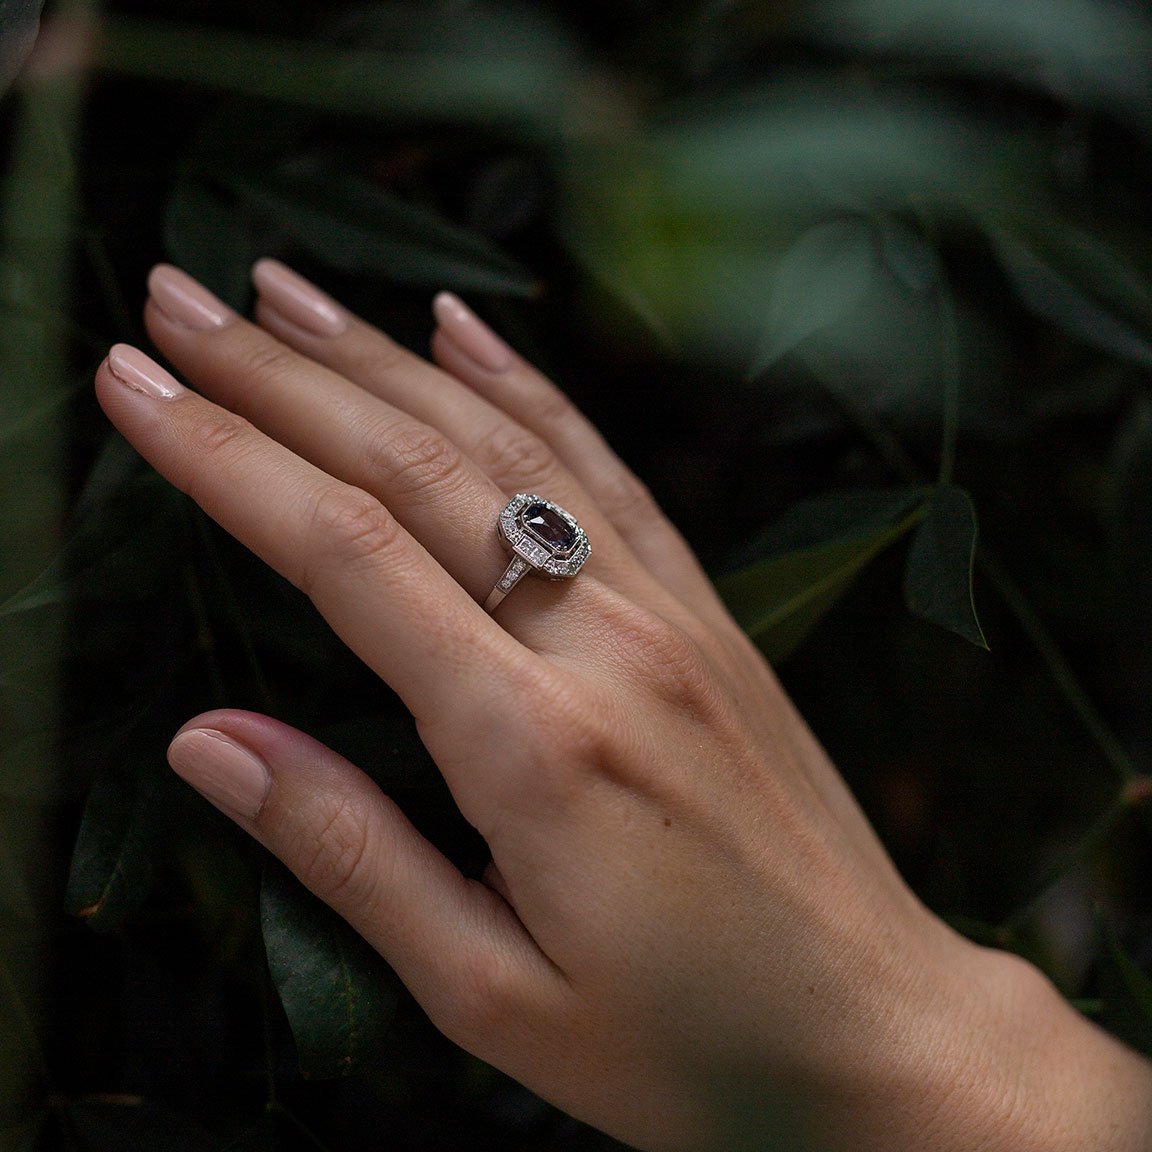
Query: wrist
x=998 y=1060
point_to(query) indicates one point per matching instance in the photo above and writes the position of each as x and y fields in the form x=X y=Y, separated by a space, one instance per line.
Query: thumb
x=455 y=942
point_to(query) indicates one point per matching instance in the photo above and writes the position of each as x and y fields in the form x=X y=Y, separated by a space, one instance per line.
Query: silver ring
x=542 y=538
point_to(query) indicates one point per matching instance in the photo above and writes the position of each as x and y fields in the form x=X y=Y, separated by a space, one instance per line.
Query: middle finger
x=434 y=489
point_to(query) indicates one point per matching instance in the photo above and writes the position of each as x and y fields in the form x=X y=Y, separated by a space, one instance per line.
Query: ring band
x=542 y=538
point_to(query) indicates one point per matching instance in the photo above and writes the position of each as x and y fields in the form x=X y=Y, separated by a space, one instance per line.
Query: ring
x=543 y=539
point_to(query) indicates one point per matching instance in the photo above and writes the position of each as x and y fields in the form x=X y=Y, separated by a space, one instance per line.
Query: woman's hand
x=688 y=928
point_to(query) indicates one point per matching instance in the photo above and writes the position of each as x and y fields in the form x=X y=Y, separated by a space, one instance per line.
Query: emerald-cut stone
x=548 y=527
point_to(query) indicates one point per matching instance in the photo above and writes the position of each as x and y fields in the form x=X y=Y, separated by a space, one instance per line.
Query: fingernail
x=298 y=301
x=142 y=374
x=185 y=301
x=225 y=772
x=470 y=334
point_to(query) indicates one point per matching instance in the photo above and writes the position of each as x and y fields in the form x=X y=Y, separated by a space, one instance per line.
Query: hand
x=687 y=921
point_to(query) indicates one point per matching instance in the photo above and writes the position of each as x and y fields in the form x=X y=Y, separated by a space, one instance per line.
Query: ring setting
x=542 y=538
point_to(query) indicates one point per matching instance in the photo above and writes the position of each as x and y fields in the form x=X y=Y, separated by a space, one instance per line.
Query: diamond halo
x=543 y=539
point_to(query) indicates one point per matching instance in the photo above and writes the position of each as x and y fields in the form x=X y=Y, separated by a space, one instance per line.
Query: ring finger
x=437 y=491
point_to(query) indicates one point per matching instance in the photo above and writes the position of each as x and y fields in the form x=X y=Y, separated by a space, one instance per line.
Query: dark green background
x=829 y=276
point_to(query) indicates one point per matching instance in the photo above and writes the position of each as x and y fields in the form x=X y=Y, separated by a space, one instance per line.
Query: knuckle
x=566 y=716
x=414 y=460
x=625 y=498
x=486 y=994
x=266 y=362
x=667 y=660
x=514 y=455
x=563 y=713
x=553 y=409
x=351 y=528
x=220 y=432
x=339 y=847
x=378 y=360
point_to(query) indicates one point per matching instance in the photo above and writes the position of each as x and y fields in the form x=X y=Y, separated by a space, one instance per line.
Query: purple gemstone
x=549 y=528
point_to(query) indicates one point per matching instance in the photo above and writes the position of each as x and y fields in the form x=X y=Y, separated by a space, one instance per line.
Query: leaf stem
x=1058 y=667
x=892 y=452
x=950 y=375
x=883 y=442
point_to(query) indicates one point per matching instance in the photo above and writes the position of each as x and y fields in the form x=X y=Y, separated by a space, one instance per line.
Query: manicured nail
x=225 y=772
x=298 y=301
x=142 y=374
x=470 y=334
x=185 y=301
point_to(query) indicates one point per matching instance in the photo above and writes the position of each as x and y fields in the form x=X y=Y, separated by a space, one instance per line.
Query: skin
x=688 y=929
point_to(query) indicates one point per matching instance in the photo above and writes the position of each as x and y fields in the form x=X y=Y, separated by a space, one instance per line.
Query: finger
x=514 y=444
x=378 y=588
x=467 y=348
x=515 y=458
x=435 y=490
x=456 y=943
x=438 y=494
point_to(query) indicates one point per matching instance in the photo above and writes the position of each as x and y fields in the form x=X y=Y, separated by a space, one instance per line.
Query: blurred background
x=861 y=288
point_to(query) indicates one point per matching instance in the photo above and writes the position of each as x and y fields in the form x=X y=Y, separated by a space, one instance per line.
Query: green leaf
x=818 y=281
x=908 y=255
x=111 y=873
x=118 y=555
x=1126 y=993
x=938 y=574
x=829 y=519
x=337 y=992
x=804 y=150
x=779 y=599
x=521 y=71
x=1079 y=51
x=359 y=228
x=1075 y=280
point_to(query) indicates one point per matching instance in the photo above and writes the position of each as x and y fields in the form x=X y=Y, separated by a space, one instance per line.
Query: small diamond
x=515 y=570
x=531 y=551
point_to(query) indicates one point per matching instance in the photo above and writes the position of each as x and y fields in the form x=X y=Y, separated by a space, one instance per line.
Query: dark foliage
x=840 y=279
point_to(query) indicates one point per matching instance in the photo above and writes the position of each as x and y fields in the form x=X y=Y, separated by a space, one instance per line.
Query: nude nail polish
x=298 y=301
x=185 y=301
x=142 y=374
x=226 y=772
x=470 y=334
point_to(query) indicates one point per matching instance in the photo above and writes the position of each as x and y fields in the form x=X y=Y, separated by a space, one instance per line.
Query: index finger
x=382 y=593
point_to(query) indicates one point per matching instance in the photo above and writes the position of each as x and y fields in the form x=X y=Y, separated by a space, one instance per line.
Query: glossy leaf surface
x=111 y=871
x=938 y=575
x=335 y=989
x=814 y=555
x=356 y=226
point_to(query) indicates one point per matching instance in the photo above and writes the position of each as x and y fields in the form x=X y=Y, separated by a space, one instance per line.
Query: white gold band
x=543 y=539
x=513 y=574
